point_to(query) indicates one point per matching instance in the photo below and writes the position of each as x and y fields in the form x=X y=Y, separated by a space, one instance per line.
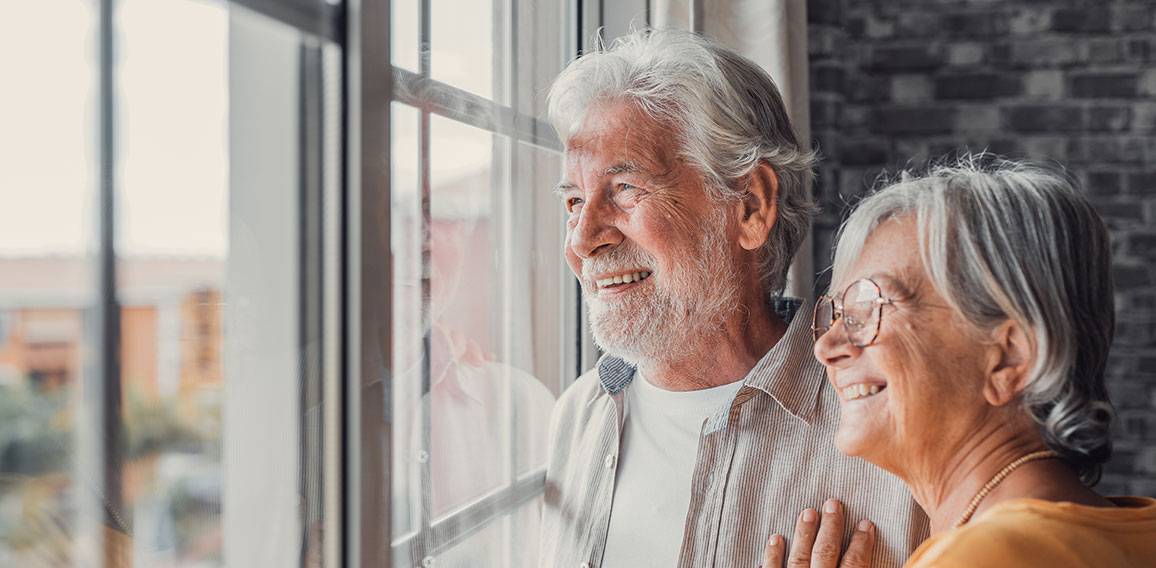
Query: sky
x=171 y=128
x=171 y=125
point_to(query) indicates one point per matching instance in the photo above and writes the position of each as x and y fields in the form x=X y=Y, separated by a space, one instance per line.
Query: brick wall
x=896 y=82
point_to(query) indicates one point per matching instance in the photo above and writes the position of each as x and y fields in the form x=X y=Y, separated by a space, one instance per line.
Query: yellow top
x=1030 y=532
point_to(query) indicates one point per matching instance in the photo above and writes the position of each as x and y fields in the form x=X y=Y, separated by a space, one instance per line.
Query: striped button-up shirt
x=762 y=458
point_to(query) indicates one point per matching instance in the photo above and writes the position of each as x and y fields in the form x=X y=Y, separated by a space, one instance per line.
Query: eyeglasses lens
x=861 y=312
x=824 y=310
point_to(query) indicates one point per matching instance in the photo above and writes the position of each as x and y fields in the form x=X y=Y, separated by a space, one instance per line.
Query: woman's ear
x=760 y=207
x=1011 y=361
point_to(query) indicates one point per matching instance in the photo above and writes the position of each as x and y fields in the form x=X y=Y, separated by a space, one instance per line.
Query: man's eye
x=627 y=186
x=573 y=203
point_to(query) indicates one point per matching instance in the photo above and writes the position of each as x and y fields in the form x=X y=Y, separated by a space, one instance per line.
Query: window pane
x=47 y=276
x=171 y=246
x=541 y=52
x=283 y=89
x=404 y=28
x=481 y=311
x=410 y=315
x=469 y=424
x=462 y=51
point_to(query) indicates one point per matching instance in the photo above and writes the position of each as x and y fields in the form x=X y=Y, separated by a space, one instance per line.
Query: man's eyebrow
x=562 y=188
x=628 y=167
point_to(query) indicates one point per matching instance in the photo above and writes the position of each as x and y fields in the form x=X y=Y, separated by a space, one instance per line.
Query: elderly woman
x=967 y=342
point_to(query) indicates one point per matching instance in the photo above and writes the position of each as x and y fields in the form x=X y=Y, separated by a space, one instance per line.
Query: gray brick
x=1133 y=333
x=1122 y=463
x=915 y=120
x=825 y=112
x=1118 y=150
x=1029 y=21
x=1140 y=487
x=1141 y=244
x=1143 y=116
x=870 y=152
x=1109 y=118
x=978 y=118
x=907 y=58
x=1084 y=19
x=1132 y=18
x=1139 y=50
x=1104 y=183
x=1045 y=84
x=1146 y=460
x=1121 y=214
x=977 y=86
x=828 y=78
x=965 y=54
x=1147 y=85
x=916 y=24
x=1104 y=85
x=1142 y=183
x=1131 y=275
x=1105 y=50
x=910 y=88
x=875 y=27
x=825 y=12
x=1044 y=118
x=976 y=24
x=1127 y=394
x=1036 y=52
x=1047 y=147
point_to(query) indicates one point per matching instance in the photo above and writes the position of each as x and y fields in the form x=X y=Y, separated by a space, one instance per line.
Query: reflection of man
x=706 y=427
x=481 y=411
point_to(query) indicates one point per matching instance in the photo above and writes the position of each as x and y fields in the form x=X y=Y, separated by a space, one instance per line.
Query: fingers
x=818 y=541
x=858 y=553
x=773 y=553
x=806 y=528
x=829 y=541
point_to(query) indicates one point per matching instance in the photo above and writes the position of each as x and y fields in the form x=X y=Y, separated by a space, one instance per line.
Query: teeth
x=623 y=279
x=860 y=390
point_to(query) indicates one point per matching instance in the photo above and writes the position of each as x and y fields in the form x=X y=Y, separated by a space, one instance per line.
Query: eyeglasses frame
x=837 y=312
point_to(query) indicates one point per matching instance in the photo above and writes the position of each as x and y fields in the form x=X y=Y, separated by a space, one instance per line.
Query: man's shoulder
x=580 y=393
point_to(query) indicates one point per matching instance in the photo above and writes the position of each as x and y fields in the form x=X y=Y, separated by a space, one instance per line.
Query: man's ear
x=760 y=206
x=1011 y=359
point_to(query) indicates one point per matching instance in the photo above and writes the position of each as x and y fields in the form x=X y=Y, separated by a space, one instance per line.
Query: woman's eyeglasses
x=860 y=306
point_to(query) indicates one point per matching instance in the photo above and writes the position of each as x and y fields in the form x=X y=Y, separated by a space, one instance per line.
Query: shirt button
x=610 y=460
x=585 y=565
x=428 y=561
x=709 y=479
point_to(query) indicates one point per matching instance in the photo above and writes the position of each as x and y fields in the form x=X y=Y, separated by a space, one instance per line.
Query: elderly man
x=707 y=426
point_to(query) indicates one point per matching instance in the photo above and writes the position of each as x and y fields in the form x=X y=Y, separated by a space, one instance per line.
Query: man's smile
x=615 y=283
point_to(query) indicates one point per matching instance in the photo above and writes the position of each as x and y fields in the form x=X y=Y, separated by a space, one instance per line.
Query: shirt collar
x=789 y=371
x=786 y=372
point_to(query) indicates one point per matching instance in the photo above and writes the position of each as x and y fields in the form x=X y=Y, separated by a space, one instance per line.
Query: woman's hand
x=818 y=542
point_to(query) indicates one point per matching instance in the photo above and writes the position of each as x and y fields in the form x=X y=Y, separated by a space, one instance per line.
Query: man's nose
x=595 y=231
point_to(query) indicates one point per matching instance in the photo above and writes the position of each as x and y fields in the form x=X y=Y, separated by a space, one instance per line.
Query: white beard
x=676 y=314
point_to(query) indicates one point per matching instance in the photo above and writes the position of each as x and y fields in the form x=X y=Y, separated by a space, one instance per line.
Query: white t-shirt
x=655 y=465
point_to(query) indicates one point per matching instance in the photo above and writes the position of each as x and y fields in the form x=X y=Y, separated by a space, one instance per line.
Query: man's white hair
x=725 y=112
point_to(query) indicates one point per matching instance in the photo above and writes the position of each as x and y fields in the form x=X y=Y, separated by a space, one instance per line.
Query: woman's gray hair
x=726 y=111
x=1004 y=240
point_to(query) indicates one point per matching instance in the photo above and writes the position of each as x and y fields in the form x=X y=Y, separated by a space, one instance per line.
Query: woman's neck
x=945 y=490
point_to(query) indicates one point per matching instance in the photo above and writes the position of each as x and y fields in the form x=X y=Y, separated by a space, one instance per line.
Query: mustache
x=617 y=259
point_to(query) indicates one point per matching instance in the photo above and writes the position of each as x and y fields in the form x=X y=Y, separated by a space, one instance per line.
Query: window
x=483 y=325
x=252 y=292
x=167 y=276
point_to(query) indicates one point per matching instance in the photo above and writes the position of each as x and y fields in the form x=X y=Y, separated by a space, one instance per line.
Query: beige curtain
x=773 y=33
